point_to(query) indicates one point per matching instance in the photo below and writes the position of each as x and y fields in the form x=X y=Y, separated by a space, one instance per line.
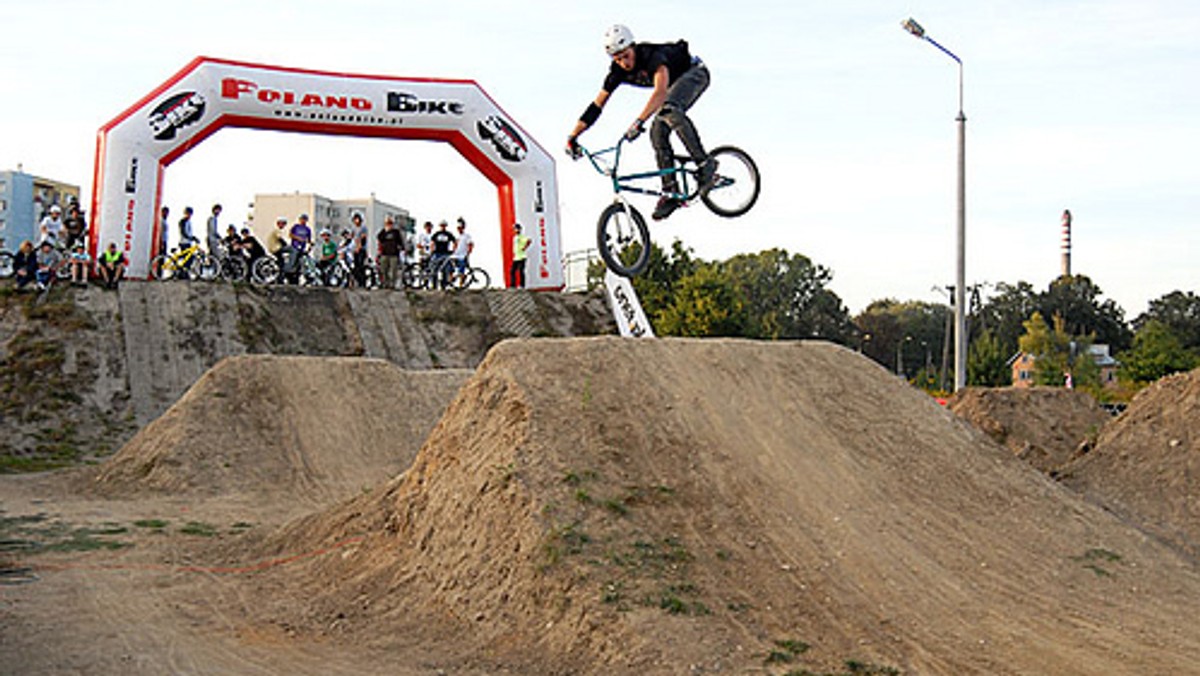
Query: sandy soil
x=595 y=506
x=1044 y=426
x=1146 y=463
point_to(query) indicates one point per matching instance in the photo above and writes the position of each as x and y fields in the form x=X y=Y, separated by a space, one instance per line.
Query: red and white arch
x=208 y=94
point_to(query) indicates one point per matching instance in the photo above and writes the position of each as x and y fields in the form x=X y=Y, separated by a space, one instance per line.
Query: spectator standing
x=277 y=241
x=25 y=264
x=80 y=262
x=520 y=250
x=441 y=246
x=74 y=225
x=112 y=266
x=463 y=246
x=164 y=229
x=425 y=246
x=328 y=254
x=52 y=226
x=48 y=260
x=300 y=236
x=391 y=243
x=359 y=235
x=186 y=236
x=212 y=231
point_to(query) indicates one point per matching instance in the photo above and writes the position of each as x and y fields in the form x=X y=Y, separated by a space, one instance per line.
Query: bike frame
x=630 y=182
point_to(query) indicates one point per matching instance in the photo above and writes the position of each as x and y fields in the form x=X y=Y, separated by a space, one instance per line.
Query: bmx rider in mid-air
x=678 y=79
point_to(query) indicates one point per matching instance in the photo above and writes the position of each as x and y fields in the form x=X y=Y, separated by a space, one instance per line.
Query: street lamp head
x=910 y=24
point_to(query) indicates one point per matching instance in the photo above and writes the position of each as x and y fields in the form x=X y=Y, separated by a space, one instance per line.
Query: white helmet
x=617 y=38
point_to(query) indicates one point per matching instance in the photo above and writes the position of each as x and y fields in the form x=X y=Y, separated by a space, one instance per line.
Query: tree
x=1056 y=353
x=987 y=361
x=1004 y=314
x=785 y=296
x=1157 y=352
x=904 y=336
x=705 y=303
x=1075 y=299
x=1179 y=313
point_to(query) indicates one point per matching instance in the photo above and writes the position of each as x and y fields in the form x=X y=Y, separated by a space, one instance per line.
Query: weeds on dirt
x=32 y=534
x=1093 y=558
x=153 y=524
x=198 y=529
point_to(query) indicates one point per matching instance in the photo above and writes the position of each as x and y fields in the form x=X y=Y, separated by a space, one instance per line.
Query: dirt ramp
x=680 y=506
x=1146 y=464
x=1043 y=426
x=284 y=430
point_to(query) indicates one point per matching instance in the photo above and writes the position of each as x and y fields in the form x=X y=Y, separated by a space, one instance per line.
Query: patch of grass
x=156 y=524
x=868 y=669
x=581 y=496
x=616 y=506
x=1093 y=558
x=198 y=529
x=786 y=651
x=87 y=540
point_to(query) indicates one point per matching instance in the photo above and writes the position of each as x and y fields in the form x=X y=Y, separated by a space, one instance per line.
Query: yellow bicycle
x=188 y=263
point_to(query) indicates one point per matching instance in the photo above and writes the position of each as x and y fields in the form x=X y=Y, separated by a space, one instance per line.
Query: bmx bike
x=621 y=233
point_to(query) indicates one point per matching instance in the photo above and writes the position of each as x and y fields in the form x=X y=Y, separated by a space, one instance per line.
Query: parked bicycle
x=451 y=277
x=621 y=233
x=190 y=262
x=268 y=270
x=342 y=273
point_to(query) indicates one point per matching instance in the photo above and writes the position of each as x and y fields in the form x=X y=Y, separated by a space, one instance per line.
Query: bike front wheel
x=736 y=185
x=6 y=265
x=163 y=268
x=623 y=239
x=265 y=270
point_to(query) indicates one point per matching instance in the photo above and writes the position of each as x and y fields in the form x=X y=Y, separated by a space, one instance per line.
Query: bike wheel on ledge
x=162 y=268
x=623 y=240
x=736 y=186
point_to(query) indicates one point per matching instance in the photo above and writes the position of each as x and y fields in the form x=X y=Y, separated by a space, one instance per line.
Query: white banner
x=626 y=307
x=210 y=94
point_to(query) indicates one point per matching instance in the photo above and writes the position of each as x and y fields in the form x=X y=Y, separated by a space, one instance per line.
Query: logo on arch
x=507 y=142
x=176 y=112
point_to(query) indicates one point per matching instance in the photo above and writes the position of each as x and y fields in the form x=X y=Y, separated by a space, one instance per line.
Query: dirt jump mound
x=1146 y=464
x=1043 y=426
x=682 y=506
x=284 y=430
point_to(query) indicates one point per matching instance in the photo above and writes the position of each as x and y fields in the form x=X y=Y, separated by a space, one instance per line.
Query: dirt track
x=609 y=506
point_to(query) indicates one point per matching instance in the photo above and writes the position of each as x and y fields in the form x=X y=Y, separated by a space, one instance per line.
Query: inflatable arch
x=133 y=149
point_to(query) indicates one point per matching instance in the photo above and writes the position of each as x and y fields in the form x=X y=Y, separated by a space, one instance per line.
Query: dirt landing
x=1043 y=426
x=608 y=506
x=1146 y=465
x=287 y=433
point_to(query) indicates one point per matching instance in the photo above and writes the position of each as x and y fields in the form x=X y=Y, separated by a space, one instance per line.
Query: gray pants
x=673 y=117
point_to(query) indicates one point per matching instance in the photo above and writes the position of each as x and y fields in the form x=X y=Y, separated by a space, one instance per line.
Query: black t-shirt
x=443 y=242
x=649 y=56
x=389 y=242
x=252 y=246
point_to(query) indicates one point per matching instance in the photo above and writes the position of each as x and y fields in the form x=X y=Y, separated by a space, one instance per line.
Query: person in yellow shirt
x=516 y=273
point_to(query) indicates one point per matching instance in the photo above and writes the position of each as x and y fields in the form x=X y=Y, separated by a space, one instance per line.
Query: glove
x=573 y=149
x=635 y=130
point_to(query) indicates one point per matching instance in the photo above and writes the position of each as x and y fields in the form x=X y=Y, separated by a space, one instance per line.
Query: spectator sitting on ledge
x=112 y=266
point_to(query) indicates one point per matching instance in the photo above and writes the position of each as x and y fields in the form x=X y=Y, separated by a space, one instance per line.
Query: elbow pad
x=591 y=114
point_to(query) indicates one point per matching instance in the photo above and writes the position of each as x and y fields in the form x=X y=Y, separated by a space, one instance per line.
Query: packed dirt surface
x=604 y=506
x=1044 y=426
x=291 y=433
x=1146 y=464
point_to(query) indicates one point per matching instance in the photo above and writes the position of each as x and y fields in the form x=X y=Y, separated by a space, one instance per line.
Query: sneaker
x=708 y=172
x=665 y=207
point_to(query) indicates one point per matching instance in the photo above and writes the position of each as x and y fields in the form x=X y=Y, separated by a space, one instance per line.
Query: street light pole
x=960 y=276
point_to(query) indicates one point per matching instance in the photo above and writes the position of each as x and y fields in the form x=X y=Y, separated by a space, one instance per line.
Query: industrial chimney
x=1066 y=243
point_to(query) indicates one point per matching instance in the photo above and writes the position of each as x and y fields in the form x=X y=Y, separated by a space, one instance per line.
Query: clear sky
x=1088 y=106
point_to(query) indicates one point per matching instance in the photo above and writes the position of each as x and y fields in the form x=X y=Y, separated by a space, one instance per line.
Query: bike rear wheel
x=623 y=239
x=6 y=265
x=736 y=186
